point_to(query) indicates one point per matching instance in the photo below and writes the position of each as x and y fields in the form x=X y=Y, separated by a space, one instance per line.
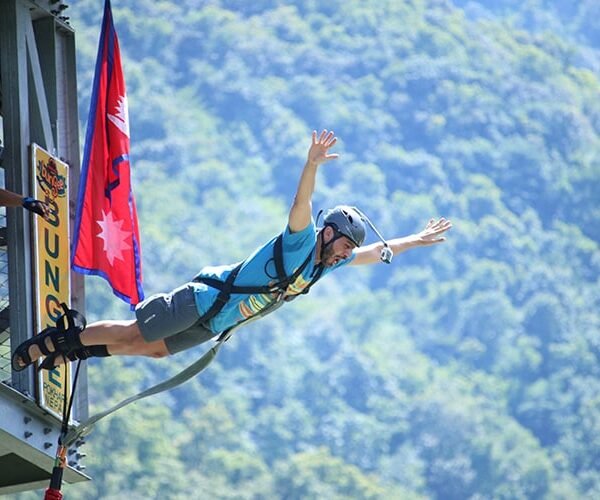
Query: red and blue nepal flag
x=107 y=240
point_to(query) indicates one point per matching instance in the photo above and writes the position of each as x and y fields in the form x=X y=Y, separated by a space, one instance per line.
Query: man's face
x=340 y=249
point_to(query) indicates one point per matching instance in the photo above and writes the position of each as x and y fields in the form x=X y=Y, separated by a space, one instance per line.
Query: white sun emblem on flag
x=113 y=236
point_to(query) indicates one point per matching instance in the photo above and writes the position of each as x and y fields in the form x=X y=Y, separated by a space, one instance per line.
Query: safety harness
x=228 y=287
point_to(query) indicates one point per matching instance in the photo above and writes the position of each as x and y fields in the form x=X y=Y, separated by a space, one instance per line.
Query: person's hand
x=433 y=232
x=318 y=152
x=37 y=206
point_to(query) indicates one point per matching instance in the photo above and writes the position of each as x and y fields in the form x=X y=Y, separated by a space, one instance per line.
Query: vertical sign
x=52 y=265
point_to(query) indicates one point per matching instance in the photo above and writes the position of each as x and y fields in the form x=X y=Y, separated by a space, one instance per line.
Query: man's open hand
x=433 y=232
x=318 y=152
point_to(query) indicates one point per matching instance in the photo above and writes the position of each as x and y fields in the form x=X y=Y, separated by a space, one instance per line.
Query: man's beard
x=327 y=255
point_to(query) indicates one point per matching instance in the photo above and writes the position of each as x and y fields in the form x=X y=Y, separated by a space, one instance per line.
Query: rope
x=60 y=462
x=191 y=371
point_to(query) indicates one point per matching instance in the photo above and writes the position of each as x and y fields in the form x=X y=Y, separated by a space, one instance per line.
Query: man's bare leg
x=120 y=337
x=111 y=332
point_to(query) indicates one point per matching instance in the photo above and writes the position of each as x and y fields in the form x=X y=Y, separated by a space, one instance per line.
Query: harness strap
x=315 y=278
x=85 y=428
x=244 y=290
x=284 y=280
x=227 y=287
x=225 y=291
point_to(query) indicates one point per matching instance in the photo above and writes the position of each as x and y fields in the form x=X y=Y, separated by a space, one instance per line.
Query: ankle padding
x=92 y=351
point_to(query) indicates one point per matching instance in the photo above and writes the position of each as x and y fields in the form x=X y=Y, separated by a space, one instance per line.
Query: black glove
x=36 y=206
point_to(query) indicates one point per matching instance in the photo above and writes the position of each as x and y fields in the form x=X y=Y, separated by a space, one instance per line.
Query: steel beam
x=14 y=21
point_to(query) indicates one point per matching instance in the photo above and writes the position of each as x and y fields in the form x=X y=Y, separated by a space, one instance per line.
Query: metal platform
x=28 y=440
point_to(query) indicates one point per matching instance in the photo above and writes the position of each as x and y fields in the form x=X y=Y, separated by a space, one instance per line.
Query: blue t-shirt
x=259 y=270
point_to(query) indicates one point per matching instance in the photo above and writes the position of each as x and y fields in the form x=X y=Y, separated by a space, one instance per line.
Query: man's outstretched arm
x=431 y=235
x=301 y=211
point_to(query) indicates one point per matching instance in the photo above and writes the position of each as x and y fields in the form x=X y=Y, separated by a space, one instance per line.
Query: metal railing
x=5 y=371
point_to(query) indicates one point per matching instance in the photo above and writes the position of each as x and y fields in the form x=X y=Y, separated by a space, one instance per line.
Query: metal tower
x=38 y=105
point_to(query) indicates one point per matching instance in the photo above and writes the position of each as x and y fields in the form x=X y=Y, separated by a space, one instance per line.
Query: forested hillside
x=466 y=370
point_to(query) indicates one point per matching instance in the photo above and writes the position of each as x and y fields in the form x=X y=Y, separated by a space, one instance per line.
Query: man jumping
x=221 y=298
